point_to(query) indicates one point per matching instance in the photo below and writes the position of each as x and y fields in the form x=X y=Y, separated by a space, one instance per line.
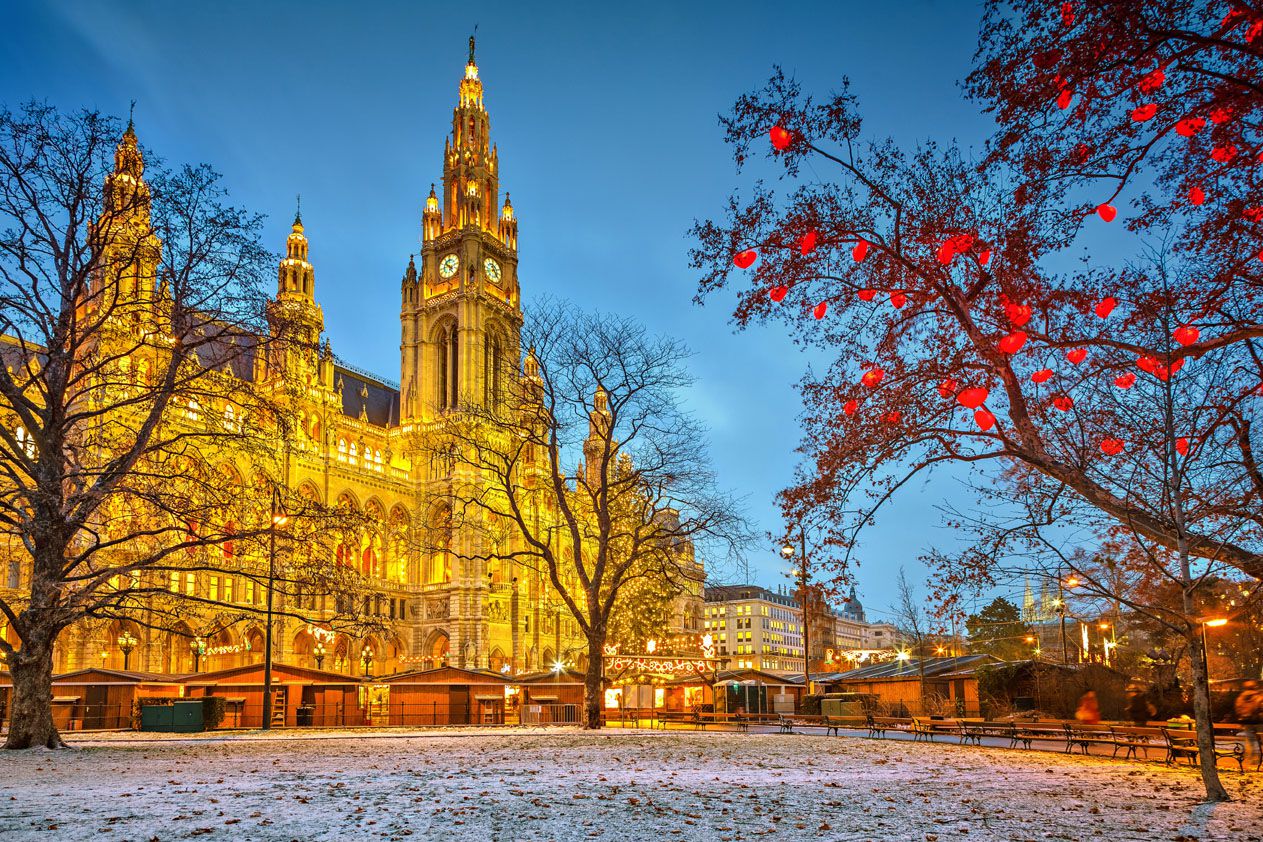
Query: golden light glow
x=1217 y=622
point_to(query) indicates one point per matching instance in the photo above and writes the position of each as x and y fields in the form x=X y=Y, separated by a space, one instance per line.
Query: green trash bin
x=187 y=715
x=156 y=717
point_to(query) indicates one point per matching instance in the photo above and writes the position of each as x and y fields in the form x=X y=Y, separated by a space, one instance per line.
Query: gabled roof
x=445 y=675
x=912 y=668
x=253 y=674
x=378 y=400
x=100 y=675
x=567 y=676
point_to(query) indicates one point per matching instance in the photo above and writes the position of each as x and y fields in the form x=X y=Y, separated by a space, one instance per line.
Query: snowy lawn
x=624 y=785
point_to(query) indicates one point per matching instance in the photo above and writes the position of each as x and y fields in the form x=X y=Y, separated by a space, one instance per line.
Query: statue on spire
x=471 y=44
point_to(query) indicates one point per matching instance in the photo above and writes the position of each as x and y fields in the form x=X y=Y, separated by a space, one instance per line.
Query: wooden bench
x=1133 y=738
x=684 y=717
x=1083 y=735
x=879 y=725
x=1183 y=743
x=1038 y=731
x=739 y=720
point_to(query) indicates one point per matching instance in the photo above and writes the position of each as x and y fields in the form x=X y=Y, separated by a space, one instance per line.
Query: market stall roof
x=739 y=677
x=566 y=676
x=100 y=675
x=912 y=668
x=252 y=674
x=446 y=675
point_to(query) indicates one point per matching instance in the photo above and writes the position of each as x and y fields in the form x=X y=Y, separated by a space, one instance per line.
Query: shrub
x=213 y=708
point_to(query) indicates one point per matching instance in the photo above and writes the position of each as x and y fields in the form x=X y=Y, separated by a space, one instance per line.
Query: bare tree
x=137 y=445
x=591 y=469
x=913 y=624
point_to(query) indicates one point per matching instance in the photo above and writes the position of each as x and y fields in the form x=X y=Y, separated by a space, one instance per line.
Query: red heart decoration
x=946 y=252
x=1150 y=82
x=781 y=138
x=898 y=299
x=1220 y=114
x=1064 y=98
x=1012 y=343
x=1077 y=355
x=1181 y=446
x=1224 y=154
x=973 y=397
x=893 y=417
x=1254 y=214
x=1112 y=447
x=1042 y=376
x=778 y=293
x=807 y=243
x=872 y=377
x=947 y=388
x=984 y=257
x=820 y=309
x=1190 y=126
x=985 y=420
x=744 y=259
x=867 y=294
x=1196 y=195
x=1063 y=402
x=1125 y=381
x=861 y=249
x=1145 y=112
x=1164 y=373
x=1106 y=212
x=1186 y=335
x=1106 y=306
x=850 y=406
x=1067 y=13
x=1145 y=363
x=1019 y=314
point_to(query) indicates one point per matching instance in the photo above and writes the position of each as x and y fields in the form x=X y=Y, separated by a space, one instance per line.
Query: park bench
x=1131 y=738
x=1084 y=735
x=830 y=724
x=879 y=725
x=1183 y=743
x=684 y=717
x=1038 y=731
x=739 y=720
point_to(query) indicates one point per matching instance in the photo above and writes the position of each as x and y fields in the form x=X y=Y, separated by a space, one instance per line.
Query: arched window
x=448 y=366
x=493 y=351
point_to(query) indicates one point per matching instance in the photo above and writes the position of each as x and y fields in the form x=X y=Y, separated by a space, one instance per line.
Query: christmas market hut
x=446 y=696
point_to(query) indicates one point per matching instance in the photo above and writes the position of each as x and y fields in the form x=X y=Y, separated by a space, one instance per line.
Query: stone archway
x=436 y=651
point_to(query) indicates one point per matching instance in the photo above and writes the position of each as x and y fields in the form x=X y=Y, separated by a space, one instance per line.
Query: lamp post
x=787 y=552
x=279 y=518
x=319 y=652
x=126 y=643
x=366 y=658
x=1213 y=623
x=198 y=647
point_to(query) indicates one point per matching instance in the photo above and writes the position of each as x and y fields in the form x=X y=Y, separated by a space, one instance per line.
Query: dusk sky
x=605 y=118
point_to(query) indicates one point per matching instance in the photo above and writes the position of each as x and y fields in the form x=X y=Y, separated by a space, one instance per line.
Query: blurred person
x=1249 y=710
x=1089 y=712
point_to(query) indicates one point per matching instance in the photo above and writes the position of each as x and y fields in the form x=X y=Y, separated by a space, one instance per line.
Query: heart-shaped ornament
x=807 y=243
x=1112 y=447
x=985 y=420
x=947 y=388
x=1064 y=403
x=1106 y=306
x=745 y=259
x=1196 y=195
x=1019 y=314
x=872 y=377
x=1012 y=343
x=973 y=397
x=1077 y=355
x=778 y=293
x=1190 y=126
x=1107 y=212
x=1145 y=112
x=820 y=310
x=867 y=294
x=984 y=257
x=898 y=299
x=1186 y=335
x=861 y=249
x=1125 y=381
x=1042 y=376
x=781 y=138
x=1181 y=446
x=850 y=406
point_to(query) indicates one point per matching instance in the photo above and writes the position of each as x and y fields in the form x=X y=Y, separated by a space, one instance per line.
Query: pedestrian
x=1089 y=712
x=1139 y=709
x=1249 y=709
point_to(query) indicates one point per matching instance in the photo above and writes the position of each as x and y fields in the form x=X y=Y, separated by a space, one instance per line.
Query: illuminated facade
x=368 y=443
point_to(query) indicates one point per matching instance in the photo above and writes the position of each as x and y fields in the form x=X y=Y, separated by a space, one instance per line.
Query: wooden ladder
x=278 y=707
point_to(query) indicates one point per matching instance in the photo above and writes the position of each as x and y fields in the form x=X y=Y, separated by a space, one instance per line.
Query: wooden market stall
x=445 y=696
x=301 y=696
x=98 y=699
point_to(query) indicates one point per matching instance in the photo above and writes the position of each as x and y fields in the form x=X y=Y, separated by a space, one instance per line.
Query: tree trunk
x=594 y=680
x=31 y=706
x=1205 y=727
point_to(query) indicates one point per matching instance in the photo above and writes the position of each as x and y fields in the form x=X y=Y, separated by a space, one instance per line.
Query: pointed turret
x=296 y=279
x=598 y=443
x=294 y=314
x=431 y=218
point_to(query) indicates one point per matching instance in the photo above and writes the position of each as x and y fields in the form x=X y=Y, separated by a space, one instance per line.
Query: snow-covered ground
x=624 y=785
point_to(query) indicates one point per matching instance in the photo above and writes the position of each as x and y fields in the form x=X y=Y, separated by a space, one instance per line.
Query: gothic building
x=360 y=443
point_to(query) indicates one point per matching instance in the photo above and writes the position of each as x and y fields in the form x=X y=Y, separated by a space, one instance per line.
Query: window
x=448 y=367
x=249 y=594
x=213 y=592
x=175 y=581
x=228 y=580
x=190 y=583
x=494 y=358
x=195 y=410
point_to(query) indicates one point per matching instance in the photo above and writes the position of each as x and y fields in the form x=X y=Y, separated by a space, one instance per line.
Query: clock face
x=448 y=266
x=492 y=269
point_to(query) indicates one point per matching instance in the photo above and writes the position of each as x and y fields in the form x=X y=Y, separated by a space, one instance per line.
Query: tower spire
x=298 y=210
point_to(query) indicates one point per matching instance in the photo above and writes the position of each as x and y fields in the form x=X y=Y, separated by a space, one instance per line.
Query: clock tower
x=460 y=310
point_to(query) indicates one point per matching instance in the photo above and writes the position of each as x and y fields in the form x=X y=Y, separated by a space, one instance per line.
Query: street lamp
x=1214 y=623
x=198 y=647
x=319 y=652
x=787 y=552
x=366 y=658
x=127 y=642
x=279 y=518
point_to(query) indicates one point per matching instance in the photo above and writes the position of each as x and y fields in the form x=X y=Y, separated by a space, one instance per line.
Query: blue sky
x=605 y=119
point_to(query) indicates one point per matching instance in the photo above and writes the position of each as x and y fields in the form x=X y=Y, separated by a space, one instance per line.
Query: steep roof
x=377 y=399
x=912 y=669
